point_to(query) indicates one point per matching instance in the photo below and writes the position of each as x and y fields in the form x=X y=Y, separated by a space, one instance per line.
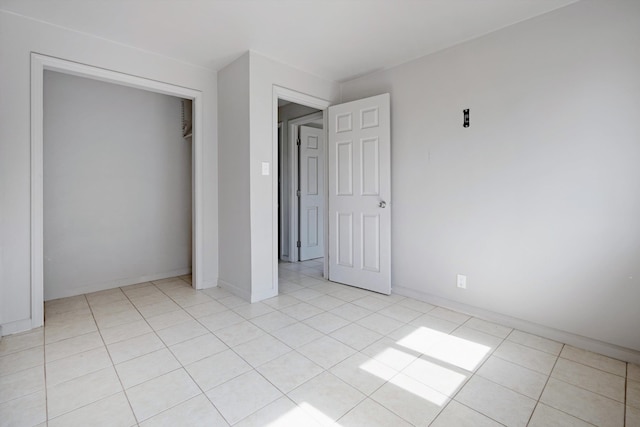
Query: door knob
x=382 y=204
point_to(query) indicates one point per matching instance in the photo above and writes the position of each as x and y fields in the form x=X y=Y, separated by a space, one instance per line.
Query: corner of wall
x=245 y=294
x=16 y=327
x=597 y=346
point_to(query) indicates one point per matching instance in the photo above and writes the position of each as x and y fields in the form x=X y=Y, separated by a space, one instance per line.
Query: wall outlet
x=462 y=281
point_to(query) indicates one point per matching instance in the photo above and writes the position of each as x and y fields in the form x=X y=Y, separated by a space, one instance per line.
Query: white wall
x=265 y=73
x=233 y=136
x=117 y=186
x=250 y=249
x=537 y=202
x=18 y=38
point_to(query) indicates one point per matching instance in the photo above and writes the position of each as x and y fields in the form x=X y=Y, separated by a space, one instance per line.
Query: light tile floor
x=162 y=354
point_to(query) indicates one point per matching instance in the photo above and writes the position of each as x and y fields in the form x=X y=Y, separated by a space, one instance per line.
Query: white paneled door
x=359 y=151
x=311 y=193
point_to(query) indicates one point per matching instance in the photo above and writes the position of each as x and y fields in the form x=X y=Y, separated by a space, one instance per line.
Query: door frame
x=294 y=177
x=40 y=63
x=290 y=95
x=281 y=181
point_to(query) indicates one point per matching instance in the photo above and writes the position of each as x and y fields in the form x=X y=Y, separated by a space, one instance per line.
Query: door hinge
x=298 y=141
x=298 y=193
x=299 y=243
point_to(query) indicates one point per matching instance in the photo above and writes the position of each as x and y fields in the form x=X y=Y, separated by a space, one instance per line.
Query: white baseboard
x=265 y=295
x=15 y=327
x=607 y=349
x=208 y=284
x=246 y=294
x=237 y=291
x=117 y=283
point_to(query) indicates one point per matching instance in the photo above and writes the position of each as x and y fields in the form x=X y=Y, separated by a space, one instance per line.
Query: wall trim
x=270 y=293
x=284 y=246
x=40 y=63
x=15 y=327
x=208 y=284
x=607 y=349
x=121 y=282
x=237 y=291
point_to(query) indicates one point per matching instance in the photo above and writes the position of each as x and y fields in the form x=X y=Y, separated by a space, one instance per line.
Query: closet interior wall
x=117 y=186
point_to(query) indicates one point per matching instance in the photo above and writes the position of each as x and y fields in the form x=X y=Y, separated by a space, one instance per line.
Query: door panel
x=345 y=239
x=371 y=242
x=311 y=193
x=344 y=168
x=359 y=151
x=312 y=226
x=370 y=167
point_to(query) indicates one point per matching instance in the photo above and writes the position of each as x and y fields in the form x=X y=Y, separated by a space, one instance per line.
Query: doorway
x=308 y=104
x=357 y=187
x=301 y=195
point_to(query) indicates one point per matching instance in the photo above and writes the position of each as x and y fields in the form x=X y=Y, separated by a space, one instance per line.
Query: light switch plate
x=265 y=168
x=462 y=281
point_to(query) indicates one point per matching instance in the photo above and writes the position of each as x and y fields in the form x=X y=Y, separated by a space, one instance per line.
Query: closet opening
x=112 y=181
x=117 y=186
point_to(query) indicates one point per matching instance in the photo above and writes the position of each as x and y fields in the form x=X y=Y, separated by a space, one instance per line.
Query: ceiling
x=333 y=39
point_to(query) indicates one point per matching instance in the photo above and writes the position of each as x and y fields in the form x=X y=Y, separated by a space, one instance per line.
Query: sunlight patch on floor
x=315 y=413
x=437 y=377
x=422 y=378
x=418 y=389
x=456 y=351
x=394 y=358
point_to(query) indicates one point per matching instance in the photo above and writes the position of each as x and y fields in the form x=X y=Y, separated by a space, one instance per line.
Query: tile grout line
x=44 y=358
x=399 y=372
x=327 y=370
x=359 y=351
x=204 y=393
x=182 y=366
x=626 y=387
x=544 y=388
x=112 y=362
x=255 y=369
x=45 y=364
x=324 y=370
x=46 y=391
x=534 y=348
x=284 y=394
x=589 y=390
x=474 y=373
x=474 y=410
x=113 y=365
x=168 y=349
x=594 y=367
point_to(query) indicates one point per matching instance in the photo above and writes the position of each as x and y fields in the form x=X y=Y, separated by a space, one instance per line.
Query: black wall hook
x=466 y=118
